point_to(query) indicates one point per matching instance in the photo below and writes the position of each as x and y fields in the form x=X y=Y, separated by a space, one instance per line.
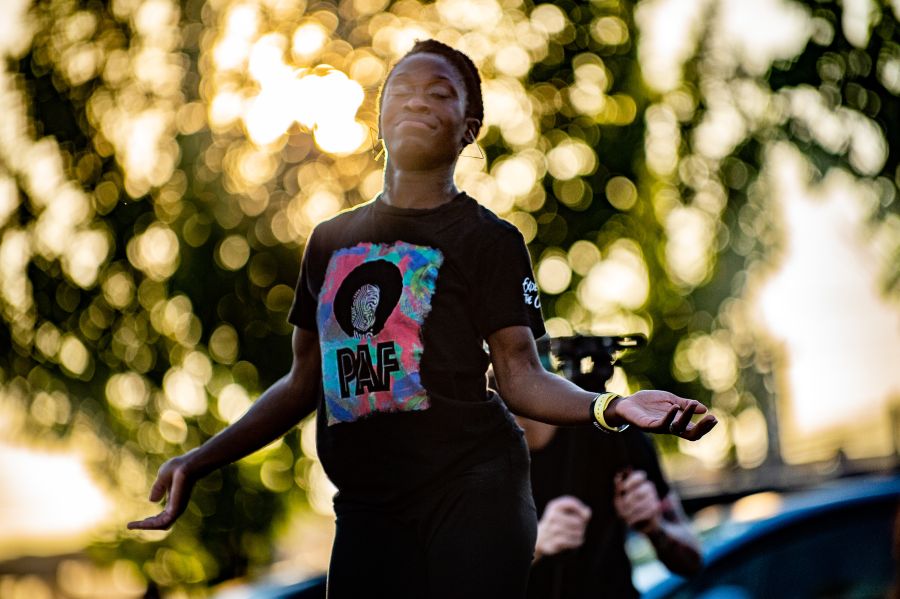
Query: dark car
x=837 y=541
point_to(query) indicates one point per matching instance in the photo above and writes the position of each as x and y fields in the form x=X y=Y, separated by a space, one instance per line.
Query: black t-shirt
x=402 y=300
x=582 y=461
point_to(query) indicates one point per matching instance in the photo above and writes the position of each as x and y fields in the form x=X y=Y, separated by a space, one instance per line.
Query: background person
x=586 y=506
x=589 y=489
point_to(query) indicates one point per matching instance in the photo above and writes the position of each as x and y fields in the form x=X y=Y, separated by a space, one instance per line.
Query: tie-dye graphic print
x=371 y=309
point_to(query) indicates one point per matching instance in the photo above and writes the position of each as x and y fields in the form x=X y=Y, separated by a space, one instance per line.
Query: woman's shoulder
x=344 y=218
x=488 y=219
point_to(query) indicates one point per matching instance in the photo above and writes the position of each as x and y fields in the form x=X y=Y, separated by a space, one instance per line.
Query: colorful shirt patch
x=370 y=314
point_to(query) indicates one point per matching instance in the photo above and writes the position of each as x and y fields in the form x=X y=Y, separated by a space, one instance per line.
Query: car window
x=843 y=553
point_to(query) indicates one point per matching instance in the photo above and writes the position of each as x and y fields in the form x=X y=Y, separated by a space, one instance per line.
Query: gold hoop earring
x=372 y=135
x=481 y=157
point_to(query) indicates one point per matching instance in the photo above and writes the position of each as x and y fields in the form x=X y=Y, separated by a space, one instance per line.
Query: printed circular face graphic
x=366 y=298
x=362 y=311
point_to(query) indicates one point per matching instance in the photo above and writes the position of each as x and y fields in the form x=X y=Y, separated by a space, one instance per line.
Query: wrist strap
x=598 y=407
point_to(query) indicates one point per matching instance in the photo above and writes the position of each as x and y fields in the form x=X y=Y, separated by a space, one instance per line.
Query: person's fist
x=562 y=525
x=636 y=500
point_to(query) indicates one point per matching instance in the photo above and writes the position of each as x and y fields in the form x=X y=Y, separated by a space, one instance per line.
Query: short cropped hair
x=462 y=63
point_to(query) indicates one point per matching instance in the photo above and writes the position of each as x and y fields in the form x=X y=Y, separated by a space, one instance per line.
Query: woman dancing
x=394 y=302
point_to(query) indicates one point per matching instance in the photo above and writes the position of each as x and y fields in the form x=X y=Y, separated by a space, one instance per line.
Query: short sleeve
x=303 y=310
x=508 y=294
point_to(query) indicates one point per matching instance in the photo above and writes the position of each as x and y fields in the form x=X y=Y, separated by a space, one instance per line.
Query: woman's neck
x=418 y=189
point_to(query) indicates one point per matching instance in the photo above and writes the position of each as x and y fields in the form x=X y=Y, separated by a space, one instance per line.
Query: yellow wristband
x=599 y=405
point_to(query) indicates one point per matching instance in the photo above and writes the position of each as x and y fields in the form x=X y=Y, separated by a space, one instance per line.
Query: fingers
x=554 y=541
x=670 y=418
x=696 y=430
x=570 y=527
x=567 y=516
x=678 y=421
x=161 y=521
x=178 y=495
x=562 y=525
x=158 y=490
x=627 y=483
x=683 y=403
x=163 y=480
x=636 y=490
x=643 y=515
x=569 y=506
x=636 y=500
x=683 y=418
x=171 y=481
x=166 y=518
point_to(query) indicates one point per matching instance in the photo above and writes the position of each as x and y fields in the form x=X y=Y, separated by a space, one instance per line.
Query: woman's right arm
x=278 y=409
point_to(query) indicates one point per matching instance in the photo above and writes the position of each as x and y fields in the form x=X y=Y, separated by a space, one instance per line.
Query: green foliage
x=145 y=287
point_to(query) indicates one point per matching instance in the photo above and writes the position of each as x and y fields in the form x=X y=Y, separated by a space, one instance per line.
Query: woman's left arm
x=533 y=392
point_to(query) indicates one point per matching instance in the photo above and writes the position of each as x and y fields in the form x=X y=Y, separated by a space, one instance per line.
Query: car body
x=837 y=541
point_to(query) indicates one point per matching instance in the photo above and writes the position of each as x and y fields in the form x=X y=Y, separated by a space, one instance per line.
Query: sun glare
x=48 y=501
x=828 y=272
x=308 y=39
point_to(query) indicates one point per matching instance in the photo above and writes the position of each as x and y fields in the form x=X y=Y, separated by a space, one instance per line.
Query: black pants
x=472 y=539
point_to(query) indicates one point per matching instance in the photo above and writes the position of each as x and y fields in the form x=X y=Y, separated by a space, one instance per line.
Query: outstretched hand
x=175 y=481
x=664 y=412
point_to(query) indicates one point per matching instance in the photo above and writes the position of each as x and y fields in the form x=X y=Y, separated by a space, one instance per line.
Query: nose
x=416 y=102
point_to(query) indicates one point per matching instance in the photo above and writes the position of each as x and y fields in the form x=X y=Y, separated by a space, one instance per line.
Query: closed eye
x=440 y=92
x=401 y=91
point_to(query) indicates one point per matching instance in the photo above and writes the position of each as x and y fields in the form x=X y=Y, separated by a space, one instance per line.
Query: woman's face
x=423 y=110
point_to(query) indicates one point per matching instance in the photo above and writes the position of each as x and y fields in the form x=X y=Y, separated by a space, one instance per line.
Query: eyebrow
x=434 y=78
